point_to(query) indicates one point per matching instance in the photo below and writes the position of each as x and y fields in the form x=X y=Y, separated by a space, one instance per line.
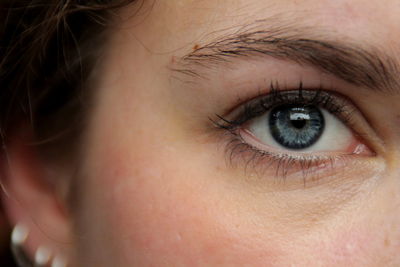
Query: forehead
x=373 y=21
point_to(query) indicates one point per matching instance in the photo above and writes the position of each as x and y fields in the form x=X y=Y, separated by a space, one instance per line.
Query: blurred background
x=5 y=253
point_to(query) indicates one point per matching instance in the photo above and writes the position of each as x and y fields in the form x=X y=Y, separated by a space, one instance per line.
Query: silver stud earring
x=19 y=236
x=59 y=261
x=42 y=256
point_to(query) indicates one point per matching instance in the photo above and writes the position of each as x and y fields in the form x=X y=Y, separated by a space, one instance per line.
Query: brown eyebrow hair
x=349 y=61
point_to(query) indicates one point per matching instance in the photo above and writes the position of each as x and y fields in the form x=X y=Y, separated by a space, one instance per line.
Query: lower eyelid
x=354 y=148
x=296 y=171
x=275 y=164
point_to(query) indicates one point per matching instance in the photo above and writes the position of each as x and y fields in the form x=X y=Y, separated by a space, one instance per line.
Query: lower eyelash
x=260 y=161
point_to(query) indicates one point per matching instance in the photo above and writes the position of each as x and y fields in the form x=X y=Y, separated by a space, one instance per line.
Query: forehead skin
x=162 y=195
x=375 y=22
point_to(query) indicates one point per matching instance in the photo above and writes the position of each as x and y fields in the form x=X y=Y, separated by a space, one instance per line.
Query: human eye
x=305 y=130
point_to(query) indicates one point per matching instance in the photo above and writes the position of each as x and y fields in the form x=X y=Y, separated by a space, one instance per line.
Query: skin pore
x=158 y=184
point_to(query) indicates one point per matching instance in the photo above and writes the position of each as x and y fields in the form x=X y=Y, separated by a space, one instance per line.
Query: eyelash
x=283 y=163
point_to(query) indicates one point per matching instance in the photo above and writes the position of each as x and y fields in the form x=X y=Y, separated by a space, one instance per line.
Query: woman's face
x=245 y=133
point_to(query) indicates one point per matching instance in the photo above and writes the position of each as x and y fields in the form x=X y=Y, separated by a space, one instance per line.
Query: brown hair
x=47 y=51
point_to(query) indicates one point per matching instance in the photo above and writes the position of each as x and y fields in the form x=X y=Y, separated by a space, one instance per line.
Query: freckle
x=196 y=46
x=387 y=242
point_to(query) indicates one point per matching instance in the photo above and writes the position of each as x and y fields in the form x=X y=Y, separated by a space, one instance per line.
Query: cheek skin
x=163 y=212
x=172 y=224
x=372 y=237
x=347 y=247
x=359 y=245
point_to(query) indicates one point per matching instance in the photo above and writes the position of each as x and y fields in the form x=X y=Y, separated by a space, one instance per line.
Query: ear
x=34 y=197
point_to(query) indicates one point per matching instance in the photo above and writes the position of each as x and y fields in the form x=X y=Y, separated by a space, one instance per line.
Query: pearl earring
x=59 y=261
x=43 y=255
x=19 y=236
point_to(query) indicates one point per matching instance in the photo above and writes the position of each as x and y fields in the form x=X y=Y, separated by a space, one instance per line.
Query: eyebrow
x=349 y=61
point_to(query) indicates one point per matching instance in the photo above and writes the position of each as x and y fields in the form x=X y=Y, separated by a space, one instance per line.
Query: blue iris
x=296 y=126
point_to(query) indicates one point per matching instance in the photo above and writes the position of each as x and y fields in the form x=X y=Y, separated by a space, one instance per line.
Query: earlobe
x=32 y=204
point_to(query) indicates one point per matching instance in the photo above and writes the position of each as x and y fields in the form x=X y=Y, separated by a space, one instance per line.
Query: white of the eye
x=336 y=136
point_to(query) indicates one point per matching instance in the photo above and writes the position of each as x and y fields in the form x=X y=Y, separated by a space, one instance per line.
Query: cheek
x=163 y=208
x=169 y=216
x=347 y=247
x=359 y=246
x=370 y=238
x=163 y=214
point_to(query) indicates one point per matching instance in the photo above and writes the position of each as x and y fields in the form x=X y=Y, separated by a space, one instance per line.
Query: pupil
x=296 y=127
x=299 y=123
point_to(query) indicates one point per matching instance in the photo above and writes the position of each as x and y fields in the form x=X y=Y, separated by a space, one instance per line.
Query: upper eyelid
x=338 y=104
